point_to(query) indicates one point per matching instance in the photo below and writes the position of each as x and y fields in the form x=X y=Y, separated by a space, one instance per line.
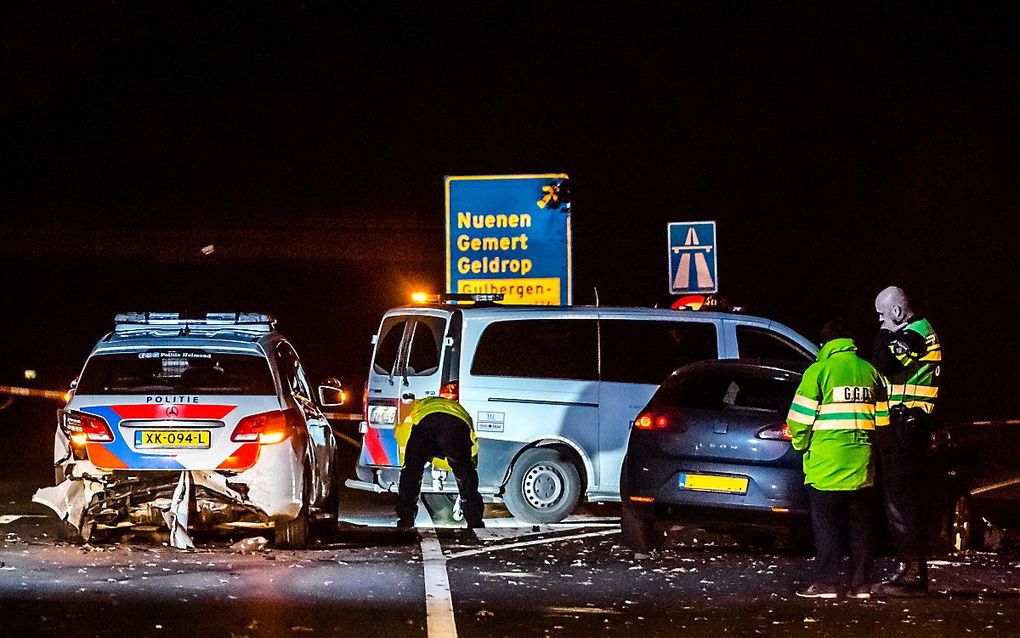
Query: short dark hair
x=835 y=329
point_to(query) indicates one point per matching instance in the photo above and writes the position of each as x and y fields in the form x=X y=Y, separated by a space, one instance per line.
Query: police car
x=219 y=405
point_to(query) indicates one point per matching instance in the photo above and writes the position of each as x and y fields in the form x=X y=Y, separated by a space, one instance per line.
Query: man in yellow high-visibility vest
x=909 y=354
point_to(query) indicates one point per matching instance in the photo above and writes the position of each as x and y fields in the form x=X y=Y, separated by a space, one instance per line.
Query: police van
x=552 y=390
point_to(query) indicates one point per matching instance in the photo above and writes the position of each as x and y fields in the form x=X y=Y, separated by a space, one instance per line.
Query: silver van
x=552 y=389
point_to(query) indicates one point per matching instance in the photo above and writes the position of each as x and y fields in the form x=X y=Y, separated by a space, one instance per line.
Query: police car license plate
x=709 y=483
x=172 y=439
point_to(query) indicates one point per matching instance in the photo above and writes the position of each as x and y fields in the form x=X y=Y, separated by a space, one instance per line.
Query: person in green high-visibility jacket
x=838 y=404
x=439 y=430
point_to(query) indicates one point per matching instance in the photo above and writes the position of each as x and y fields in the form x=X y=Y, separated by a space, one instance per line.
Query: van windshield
x=192 y=371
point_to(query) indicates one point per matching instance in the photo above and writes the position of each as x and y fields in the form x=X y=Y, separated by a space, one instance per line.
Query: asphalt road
x=369 y=579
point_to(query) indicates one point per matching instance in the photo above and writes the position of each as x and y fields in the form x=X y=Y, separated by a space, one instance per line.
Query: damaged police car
x=194 y=423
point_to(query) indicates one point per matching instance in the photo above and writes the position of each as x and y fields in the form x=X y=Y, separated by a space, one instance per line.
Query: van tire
x=544 y=486
x=293 y=534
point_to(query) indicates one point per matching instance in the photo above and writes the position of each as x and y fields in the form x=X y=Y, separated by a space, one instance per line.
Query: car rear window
x=721 y=391
x=192 y=371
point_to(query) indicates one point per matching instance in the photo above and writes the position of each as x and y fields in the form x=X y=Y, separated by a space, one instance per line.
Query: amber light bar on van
x=426 y=297
x=268 y=427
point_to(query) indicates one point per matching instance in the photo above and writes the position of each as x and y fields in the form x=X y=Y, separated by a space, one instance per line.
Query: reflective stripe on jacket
x=839 y=401
x=915 y=382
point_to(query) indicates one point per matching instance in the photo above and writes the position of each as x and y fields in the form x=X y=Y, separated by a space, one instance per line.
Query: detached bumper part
x=82 y=499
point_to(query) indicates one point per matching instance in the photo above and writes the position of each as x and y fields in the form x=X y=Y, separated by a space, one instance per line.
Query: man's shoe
x=819 y=590
x=404 y=524
x=904 y=572
x=910 y=576
x=860 y=592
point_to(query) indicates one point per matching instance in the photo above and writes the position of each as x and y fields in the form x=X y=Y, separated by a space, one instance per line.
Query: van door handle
x=376 y=390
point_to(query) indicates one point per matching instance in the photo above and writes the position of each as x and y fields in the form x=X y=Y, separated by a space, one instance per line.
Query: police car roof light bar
x=136 y=320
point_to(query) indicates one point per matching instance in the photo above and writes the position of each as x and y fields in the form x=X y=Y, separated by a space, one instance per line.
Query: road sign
x=692 y=258
x=509 y=234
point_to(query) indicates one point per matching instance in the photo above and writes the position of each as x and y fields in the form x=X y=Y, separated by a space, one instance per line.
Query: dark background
x=840 y=147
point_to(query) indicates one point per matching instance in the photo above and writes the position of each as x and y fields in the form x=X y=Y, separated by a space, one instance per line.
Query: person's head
x=835 y=329
x=893 y=308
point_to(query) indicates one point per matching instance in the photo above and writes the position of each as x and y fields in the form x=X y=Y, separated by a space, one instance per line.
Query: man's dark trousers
x=901 y=461
x=439 y=435
x=835 y=515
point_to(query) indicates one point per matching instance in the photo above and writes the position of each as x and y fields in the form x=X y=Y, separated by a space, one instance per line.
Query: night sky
x=840 y=147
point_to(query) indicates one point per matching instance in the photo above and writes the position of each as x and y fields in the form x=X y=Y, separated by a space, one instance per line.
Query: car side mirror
x=331 y=393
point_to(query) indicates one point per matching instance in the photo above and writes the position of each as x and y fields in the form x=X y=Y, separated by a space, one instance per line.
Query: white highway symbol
x=692 y=246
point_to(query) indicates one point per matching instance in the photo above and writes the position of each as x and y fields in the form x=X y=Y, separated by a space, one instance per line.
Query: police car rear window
x=193 y=371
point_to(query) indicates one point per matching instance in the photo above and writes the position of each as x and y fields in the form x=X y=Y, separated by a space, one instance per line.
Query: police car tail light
x=657 y=420
x=450 y=391
x=778 y=432
x=266 y=428
x=93 y=428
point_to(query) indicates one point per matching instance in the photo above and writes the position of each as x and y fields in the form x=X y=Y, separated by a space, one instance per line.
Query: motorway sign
x=509 y=234
x=693 y=265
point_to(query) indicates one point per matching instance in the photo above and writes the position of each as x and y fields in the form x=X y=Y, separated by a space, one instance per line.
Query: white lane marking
x=538 y=541
x=438 y=599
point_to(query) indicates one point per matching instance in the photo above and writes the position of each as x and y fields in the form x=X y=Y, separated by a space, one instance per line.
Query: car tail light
x=777 y=432
x=450 y=391
x=267 y=428
x=657 y=420
x=82 y=427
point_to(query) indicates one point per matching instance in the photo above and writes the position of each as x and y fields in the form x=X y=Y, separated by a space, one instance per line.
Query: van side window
x=758 y=343
x=390 y=335
x=635 y=351
x=538 y=348
x=426 y=338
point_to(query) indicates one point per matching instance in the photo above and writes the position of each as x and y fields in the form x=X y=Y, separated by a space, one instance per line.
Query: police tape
x=55 y=395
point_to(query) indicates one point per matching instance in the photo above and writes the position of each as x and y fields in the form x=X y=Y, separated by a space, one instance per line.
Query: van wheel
x=293 y=534
x=544 y=486
x=638 y=532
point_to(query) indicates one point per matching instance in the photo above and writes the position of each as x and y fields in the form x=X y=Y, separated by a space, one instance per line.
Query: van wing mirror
x=331 y=393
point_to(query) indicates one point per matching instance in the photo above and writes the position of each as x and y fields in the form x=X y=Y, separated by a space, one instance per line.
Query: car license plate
x=709 y=483
x=172 y=439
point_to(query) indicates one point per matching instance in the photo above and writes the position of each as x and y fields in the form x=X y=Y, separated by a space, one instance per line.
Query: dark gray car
x=711 y=447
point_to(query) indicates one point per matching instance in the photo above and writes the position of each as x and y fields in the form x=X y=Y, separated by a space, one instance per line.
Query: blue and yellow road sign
x=509 y=234
x=693 y=264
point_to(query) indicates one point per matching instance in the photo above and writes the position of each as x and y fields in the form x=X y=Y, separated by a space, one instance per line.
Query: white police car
x=209 y=418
